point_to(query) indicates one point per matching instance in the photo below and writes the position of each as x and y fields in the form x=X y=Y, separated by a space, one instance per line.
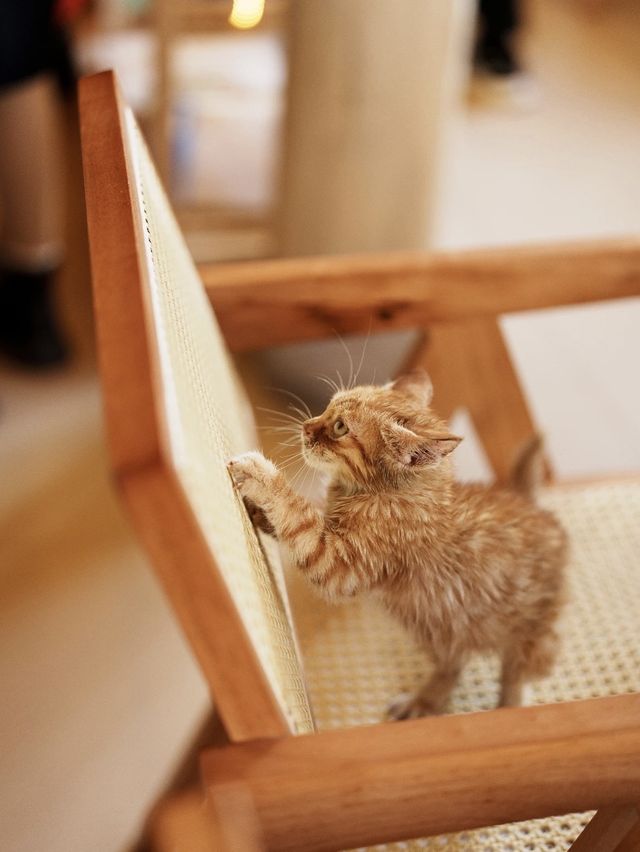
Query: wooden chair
x=176 y=411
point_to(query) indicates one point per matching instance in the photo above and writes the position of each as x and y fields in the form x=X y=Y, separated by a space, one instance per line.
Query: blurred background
x=280 y=129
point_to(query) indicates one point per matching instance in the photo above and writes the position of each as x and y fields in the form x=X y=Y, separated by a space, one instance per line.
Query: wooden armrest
x=267 y=303
x=351 y=788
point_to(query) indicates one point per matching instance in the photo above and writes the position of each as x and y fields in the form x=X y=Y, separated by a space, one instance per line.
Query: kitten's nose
x=311 y=430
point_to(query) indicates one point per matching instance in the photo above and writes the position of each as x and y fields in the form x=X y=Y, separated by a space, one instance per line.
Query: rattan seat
x=357 y=657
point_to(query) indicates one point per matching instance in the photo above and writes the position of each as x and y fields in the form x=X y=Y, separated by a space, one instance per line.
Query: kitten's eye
x=340 y=428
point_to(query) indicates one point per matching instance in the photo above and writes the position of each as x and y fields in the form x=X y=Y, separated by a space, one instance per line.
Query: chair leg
x=181 y=802
x=613 y=829
x=182 y=822
x=188 y=822
x=237 y=824
x=631 y=843
x=470 y=366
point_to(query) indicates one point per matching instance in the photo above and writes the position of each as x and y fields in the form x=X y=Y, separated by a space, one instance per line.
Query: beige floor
x=98 y=691
x=567 y=168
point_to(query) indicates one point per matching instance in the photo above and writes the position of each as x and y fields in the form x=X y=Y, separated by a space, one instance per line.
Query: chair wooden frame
x=365 y=785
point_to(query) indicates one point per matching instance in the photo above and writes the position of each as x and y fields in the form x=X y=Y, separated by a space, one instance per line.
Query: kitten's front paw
x=408 y=706
x=252 y=473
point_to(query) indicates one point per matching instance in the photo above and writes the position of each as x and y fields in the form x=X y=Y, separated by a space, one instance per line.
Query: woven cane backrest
x=204 y=419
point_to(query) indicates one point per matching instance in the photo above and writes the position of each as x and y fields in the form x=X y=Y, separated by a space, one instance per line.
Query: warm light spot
x=246 y=13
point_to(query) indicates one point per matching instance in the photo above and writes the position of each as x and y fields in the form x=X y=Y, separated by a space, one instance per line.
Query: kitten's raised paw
x=409 y=706
x=251 y=473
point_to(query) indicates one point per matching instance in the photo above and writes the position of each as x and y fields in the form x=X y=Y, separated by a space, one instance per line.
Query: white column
x=373 y=85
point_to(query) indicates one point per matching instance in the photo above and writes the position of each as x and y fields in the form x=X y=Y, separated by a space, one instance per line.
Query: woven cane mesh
x=208 y=420
x=357 y=658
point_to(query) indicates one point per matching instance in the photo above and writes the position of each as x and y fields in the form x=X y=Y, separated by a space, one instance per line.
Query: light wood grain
x=266 y=303
x=141 y=458
x=116 y=269
x=609 y=828
x=343 y=789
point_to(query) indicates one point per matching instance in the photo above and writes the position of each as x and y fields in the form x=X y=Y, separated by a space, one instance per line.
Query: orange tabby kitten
x=465 y=567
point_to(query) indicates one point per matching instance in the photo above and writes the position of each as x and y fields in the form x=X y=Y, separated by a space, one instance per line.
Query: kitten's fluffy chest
x=395 y=525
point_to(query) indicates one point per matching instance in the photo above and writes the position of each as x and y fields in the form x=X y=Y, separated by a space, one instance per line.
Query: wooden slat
x=608 y=829
x=350 y=788
x=265 y=303
x=132 y=429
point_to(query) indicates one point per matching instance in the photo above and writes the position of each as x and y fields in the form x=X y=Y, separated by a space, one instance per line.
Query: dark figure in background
x=499 y=22
x=34 y=70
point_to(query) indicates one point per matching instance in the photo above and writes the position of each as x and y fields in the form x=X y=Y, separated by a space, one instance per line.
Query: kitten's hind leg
x=432 y=696
x=524 y=660
x=511 y=686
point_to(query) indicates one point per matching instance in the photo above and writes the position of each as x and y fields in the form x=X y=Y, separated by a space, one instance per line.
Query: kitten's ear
x=411 y=450
x=416 y=384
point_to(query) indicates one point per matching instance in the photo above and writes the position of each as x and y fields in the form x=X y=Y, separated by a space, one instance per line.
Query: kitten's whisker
x=349 y=356
x=298 y=474
x=313 y=478
x=281 y=414
x=297 y=455
x=364 y=350
x=287 y=459
x=294 y=479
x=307 y=411
x=285 y=427
x=284 y=462
x=288 y=445
x=290 y=464
x=290 y=428
x=311 y=471
x=298 y=411
x=329 y=381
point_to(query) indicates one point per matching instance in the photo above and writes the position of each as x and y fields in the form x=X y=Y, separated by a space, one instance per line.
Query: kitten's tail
x=529 y=470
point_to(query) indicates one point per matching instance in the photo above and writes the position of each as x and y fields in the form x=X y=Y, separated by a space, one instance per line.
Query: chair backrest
x=175 y=413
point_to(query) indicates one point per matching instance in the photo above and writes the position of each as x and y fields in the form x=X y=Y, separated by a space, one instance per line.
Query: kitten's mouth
x=314 y=454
